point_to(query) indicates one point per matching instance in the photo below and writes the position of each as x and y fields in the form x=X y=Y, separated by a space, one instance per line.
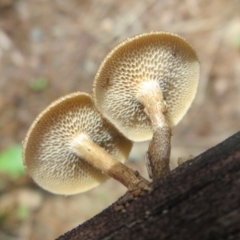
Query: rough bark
x=199 y=200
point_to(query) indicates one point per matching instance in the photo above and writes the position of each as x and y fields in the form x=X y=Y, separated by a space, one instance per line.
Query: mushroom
x=70 y=148
x=144 y=87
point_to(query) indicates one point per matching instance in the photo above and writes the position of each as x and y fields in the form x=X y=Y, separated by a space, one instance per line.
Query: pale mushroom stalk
x=86 y=149
x=159 y=148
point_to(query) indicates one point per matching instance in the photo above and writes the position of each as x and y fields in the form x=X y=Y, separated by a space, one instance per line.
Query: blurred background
x=51 y=48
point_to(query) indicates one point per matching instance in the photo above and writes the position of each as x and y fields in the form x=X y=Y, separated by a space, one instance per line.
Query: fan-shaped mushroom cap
x=138 y=65
x=47 y=153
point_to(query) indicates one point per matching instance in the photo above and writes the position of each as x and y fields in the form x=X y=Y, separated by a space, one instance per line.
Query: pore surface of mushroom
x=66 y=140
x=139 y=66
x=146 y=85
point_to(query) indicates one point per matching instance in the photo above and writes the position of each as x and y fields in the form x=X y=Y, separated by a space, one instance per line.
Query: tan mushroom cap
x=47 y=147
x=162 y=57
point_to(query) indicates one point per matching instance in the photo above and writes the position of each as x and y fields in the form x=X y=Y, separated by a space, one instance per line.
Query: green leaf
x=22 y=212
x=11 y=161
x=39 y=84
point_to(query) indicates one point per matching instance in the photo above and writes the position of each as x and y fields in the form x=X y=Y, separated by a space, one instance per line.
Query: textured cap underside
x=162 y=57
x=47 y=148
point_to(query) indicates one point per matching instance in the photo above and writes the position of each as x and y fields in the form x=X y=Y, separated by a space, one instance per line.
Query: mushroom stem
x=159 y=148
x=85 y=148
x=159 y=153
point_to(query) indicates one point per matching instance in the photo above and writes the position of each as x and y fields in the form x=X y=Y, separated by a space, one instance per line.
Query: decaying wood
x=199 y=200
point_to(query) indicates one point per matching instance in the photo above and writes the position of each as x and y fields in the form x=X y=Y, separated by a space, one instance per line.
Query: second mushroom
x=144 y=87
x=70 y=148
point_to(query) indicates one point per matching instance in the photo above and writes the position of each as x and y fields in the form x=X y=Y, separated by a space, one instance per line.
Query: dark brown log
x=199 y=200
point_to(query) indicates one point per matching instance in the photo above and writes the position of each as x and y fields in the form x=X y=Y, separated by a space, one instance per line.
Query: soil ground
x=64 y=42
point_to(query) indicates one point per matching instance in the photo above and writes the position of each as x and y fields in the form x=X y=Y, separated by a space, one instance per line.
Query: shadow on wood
x=199 y=200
